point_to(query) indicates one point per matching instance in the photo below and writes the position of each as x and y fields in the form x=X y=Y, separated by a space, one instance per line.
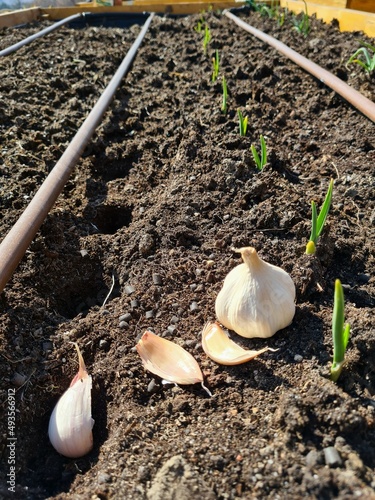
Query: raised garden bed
x=163 y=192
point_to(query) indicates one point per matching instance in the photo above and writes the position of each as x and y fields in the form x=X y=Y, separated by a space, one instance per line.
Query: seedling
x=302 y=25
x=216 y=66
x=262 y=160
x=368 y=64
x=242 y=123
x=224 y=106
x=340 y=332
x=207 y=38
x=198 y=28
x=318 y=221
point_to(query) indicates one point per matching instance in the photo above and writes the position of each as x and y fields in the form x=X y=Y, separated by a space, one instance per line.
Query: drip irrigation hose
x=41 y=33
x=16 y=242
x=358 y=100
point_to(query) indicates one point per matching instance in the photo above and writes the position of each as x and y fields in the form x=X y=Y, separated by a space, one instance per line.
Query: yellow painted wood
x=15 y=17
x=349 y=20
x=331 y=3
x=56 y=13
x=366 y=5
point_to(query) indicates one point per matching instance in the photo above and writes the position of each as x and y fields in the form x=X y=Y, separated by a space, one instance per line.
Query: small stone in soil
x=18 y=380
x=194 y=307
x=157 y=279
x=125 y=317
x=129 y=289
x=332 y=457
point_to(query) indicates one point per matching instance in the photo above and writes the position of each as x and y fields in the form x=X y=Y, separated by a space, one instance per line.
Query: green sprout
x=224 y=106
x=216 y=66
x=262 y=160
x=318 y=221
x=198 y=28
x=368 y=64
x=281 y=18
x=340 y=332
x=302 y=25
x=242 y=123
x=206 y=38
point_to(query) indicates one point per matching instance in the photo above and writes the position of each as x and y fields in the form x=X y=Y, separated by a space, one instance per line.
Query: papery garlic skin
x=221 y=349
x=257 y=298
x=70 y=425
x=169 y=361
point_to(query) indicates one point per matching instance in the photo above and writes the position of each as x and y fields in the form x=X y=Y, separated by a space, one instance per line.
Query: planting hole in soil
x=165 y=190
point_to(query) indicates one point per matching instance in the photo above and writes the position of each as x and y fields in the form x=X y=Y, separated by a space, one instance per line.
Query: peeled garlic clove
x=220 y=348
x=70 y=425
x=168 y=360
x=257 y=298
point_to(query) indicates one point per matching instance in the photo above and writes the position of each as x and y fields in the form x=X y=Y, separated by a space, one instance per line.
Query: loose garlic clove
x=257 y=298
x=220 y=348
x=169 y=361
x=70 y=425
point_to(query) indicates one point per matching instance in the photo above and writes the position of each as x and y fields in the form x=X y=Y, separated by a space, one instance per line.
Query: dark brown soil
x=163 y=192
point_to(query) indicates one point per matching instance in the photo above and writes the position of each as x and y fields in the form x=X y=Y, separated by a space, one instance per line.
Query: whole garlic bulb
x=70 y=425
x=257 y=298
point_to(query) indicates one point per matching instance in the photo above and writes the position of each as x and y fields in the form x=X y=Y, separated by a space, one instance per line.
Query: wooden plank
x=56 y=13
x=15 y=17
x=331 y=3
x=349 y=20
x=366 y=5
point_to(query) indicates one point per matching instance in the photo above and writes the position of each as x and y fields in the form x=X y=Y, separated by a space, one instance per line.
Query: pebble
x=123 y=324
x=171 y=329
x=103 y=477
x=125 y=317
x=47 y=346
x=332 y=457
x=103 y=344
x=298 y=358
x=314 y=458
x=18 y=380
x=129 y=289
x=157 y=279
x=152 y=386
x=194 y=307
x=149 y=314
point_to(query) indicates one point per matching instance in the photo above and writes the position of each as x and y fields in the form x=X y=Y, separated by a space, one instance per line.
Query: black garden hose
x=16 y=242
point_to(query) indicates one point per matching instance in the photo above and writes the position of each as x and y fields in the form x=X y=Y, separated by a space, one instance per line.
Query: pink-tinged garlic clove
x=168 y=360
x=221 y=349
x=70 y=425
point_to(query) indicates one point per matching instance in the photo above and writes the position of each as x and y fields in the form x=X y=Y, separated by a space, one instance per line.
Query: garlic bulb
x=70 y=425
x=220 y=348
x=169 y=361
x=257 y=298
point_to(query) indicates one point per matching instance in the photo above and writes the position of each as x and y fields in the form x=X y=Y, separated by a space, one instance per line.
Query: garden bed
x=164 y=191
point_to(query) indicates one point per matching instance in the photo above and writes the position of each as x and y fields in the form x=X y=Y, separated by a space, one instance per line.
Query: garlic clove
x=70 y=425
x=257 y=298
x=169 y=361
x=220 y=348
